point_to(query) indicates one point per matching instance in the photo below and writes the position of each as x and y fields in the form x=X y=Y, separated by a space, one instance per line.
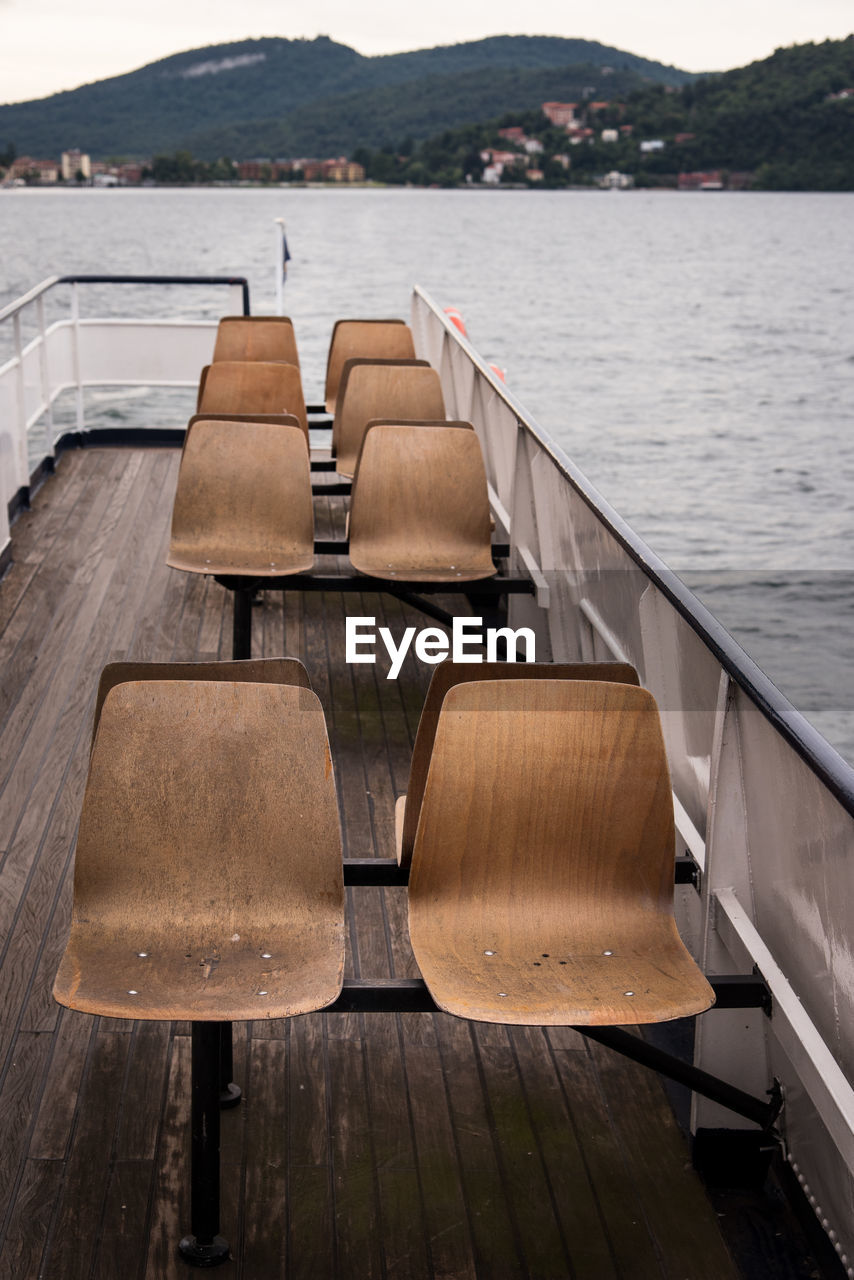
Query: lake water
x=694 y=354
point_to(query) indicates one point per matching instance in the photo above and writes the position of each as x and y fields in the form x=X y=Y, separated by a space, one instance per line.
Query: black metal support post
x=410 y=995
x=241 y=643
x=409 y=591
x=229 y=1092
x=205 y=1247
x=743 y=1104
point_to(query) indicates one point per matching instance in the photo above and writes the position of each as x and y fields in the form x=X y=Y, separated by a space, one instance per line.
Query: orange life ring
x=456 y=319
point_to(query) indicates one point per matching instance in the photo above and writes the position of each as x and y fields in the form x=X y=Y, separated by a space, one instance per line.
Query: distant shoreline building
x=75 y=162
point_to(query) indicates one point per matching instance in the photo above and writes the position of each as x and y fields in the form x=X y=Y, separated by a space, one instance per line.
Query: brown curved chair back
x=419 y=507
x=448 y=674
x=243 y=502
x=256 y=338
x=387 y=389
x=385 y=339
x=208 y=877
x=254 y=670
x=280 y=419
x=418 y=422
x=249 y=387
x=541 y=890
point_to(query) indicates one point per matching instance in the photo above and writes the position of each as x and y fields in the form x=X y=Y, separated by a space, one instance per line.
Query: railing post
x=75 y=355
x=47 y=398
x=279 y=231
x=22 y=468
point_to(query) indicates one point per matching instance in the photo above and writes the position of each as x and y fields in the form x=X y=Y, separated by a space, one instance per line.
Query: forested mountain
x=285 y=97
x=784 y=123
x=780 y=117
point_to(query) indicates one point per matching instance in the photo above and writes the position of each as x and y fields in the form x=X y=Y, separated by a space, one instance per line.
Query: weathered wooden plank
x=402 y=1233
x=122 y=600
x=21 y=1253
x=119 y=1247
x=528 y=1191
x=84 y=1188
x=611 y=1180
x=58 y=1104
x=308 y=1118
x=356 y=1191
x=142 y=1103
x=670 y=1193
x=18 y=1102
x=311 y=1234
x=597 y=1247
x=265 y=1198
x=495 y=1241
x=169 y=1215
x=449 y=1229
x=59 y=651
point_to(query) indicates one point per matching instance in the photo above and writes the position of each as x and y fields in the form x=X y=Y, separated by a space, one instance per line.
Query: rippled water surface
x=694 y=353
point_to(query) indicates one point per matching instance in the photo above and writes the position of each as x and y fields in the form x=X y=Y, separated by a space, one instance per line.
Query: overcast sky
x=48 y=45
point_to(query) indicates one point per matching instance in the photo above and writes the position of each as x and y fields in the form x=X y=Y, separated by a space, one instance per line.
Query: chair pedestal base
x=230 y=1095
x=204 y=1255
x=204 y=1246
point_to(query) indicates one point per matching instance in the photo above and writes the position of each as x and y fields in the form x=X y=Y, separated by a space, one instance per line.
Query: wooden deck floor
x=367 y=1146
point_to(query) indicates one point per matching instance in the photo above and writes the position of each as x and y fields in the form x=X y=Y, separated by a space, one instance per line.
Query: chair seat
x=538 y=976
x=128 y=969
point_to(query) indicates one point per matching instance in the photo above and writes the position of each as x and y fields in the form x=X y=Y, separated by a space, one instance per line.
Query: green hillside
x=786 y=122
x=381 y=117
x=276 y=96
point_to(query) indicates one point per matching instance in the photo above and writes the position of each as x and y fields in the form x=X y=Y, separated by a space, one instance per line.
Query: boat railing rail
x=764 y=805
x=41 y=357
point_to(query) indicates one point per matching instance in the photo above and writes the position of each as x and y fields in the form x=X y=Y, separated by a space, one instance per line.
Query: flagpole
x=279 y=224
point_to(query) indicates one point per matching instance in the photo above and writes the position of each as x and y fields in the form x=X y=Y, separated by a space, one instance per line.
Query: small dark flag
x=286 y=255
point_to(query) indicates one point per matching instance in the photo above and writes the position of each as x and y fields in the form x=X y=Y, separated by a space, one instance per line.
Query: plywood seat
x=207 y=881
x=375 y=390
x=541 y=890
x=382 y=339
x=252 y=387
x=446 y=676
x=243 y=501
x=256 y=338
x=419 y=508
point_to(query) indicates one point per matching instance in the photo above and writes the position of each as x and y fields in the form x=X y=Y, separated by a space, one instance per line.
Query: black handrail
x=90 y=279
x=823 y=759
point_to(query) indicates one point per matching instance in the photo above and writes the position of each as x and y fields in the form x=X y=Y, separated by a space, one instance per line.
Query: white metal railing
x=74 y=353
x=763 y=804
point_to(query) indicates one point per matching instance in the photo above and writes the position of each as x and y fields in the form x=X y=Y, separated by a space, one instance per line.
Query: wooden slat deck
x=367 y=1145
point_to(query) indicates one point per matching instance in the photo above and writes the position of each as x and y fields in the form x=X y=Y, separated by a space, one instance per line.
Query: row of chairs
x=209 y=880
x=530 y=784
x=370 y=390
x=266 y=338
x=419 y=509
x=255 y=370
